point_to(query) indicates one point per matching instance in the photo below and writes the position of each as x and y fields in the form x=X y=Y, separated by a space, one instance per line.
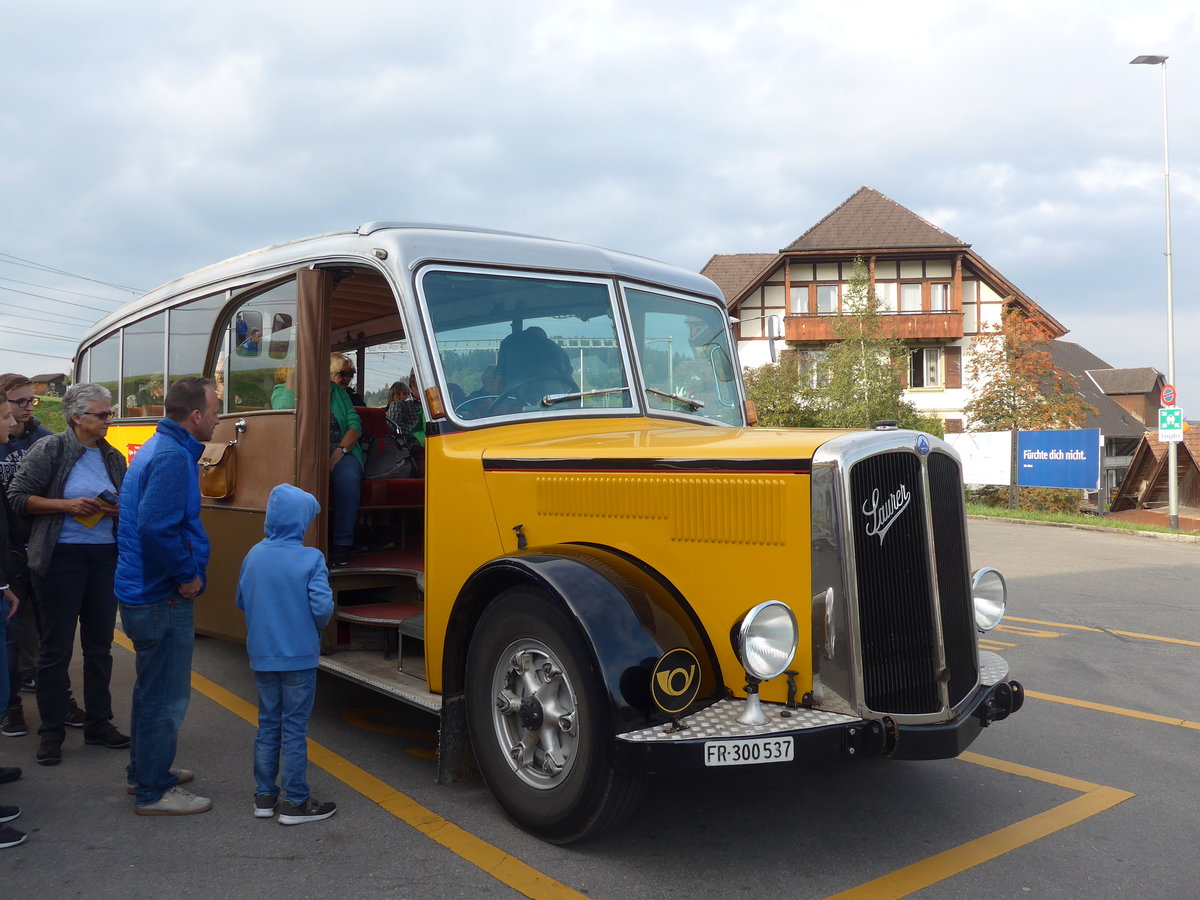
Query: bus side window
x=249 y=371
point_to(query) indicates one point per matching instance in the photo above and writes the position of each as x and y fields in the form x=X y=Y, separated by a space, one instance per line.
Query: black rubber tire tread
x=597 y=796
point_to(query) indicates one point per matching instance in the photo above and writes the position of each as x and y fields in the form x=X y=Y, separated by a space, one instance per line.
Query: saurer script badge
x=882 y=515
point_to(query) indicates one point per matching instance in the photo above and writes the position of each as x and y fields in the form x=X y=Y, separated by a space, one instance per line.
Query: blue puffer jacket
x=284 y=587
x=160 y=541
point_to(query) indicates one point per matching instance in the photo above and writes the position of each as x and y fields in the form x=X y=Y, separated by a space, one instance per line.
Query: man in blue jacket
x=162 y=555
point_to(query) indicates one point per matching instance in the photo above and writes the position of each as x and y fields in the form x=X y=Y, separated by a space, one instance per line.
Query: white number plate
x=748 y=751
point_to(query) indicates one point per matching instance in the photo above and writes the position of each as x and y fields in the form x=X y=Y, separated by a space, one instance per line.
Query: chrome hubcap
x=534 y=713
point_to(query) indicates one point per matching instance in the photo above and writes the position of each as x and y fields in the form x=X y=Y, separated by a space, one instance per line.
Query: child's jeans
x=285 y=702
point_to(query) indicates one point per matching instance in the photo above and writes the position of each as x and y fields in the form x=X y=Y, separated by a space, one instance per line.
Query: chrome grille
x=893 y=621
x=895 y=613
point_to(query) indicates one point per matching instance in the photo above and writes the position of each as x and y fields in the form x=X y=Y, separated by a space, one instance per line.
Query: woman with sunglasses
x=67 y=485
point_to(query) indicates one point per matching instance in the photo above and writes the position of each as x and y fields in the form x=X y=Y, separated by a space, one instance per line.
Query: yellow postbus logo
x=675 y=680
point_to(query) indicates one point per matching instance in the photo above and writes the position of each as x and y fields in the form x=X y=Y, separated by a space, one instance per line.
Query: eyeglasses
x=27 y=402
x=345 y=373
x=106 y=415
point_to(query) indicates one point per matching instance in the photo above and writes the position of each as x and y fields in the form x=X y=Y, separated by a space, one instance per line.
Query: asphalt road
x=1089 y=791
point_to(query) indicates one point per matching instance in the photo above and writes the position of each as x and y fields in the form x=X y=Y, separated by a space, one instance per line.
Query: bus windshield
x=511 y=344
x=683 y=353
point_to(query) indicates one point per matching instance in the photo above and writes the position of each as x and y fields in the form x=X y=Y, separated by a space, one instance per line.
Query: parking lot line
x=1093 y=799
x=1115 y=710
x=1131 y=634
x=503 y=867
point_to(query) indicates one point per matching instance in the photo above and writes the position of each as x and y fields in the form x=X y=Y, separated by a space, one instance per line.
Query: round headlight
x=765 y=640
x=991 y=596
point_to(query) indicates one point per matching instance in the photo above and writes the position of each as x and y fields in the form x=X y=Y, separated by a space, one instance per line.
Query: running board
x=369 y=670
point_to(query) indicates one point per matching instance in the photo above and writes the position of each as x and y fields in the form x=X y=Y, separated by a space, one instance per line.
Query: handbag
x=218 y=469
x=388 y=457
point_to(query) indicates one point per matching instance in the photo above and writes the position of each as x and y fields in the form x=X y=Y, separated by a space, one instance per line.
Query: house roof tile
x=868 y=220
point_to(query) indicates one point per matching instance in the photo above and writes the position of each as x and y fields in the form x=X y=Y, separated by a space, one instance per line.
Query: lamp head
x=1148 y=60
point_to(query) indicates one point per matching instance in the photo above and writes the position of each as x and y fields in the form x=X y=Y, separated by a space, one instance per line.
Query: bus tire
x=539 y=721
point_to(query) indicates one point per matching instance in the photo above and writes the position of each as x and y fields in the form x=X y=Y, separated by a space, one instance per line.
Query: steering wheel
x=463 y=408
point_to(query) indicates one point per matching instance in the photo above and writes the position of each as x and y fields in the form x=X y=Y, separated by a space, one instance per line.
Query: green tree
x=782 y=393
x=860 y=375
x=1016 y=384
x=1018 y=387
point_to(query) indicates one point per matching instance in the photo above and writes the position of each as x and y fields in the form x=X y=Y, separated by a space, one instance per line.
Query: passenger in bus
x=283 y=395
x=68 y=485
x=342 y=373
x=490 y=384
x=284 y=592
x=345 y=461
x=404 y=414
x=532 y=366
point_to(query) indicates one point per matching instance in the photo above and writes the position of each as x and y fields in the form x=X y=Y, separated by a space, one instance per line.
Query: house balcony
x=916 y=326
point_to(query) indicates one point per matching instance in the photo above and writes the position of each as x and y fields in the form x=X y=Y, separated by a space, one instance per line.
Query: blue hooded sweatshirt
x=284 y=587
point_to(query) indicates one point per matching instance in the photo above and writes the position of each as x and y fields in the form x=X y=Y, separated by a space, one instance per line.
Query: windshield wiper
x=551 y=399
x=695 y=404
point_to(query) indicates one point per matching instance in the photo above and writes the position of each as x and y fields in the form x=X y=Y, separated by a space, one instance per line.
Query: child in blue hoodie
x=284 y=592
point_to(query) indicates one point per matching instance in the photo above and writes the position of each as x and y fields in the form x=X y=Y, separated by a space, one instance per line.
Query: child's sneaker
x=265 y=805
x=311 y=810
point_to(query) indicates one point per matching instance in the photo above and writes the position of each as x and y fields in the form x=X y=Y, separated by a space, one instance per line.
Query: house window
x=925 y=368
x=939 y=297
x=910 y=298
x=800 y=299
x=827 y=299
x=886 y=292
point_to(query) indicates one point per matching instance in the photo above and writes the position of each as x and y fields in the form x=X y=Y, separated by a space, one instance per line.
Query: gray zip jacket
x=42 y=473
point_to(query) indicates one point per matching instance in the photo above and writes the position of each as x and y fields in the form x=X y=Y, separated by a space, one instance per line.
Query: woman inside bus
x=73 y=554
x=345 y=457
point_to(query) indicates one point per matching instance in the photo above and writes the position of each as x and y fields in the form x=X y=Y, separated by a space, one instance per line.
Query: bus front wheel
x=539 y=722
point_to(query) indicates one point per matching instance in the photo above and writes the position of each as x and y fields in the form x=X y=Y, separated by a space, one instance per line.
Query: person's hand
x=13 y=602
x=192 y=589
x=82 y=506
x=335 y=457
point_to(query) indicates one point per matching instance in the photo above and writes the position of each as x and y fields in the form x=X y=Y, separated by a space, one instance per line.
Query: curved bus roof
x=408 y=245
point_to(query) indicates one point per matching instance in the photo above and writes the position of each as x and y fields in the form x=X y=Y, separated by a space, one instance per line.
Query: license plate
x=748 y=751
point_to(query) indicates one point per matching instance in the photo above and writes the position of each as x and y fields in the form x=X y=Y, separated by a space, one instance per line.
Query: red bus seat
x=386 y=493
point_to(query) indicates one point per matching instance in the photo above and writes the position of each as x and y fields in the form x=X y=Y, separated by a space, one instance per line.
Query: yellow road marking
x=1116 y=710
x=507 y=869
x=990 y=642
x=1028 y=632
x=1131 y=634
x=1094 y=799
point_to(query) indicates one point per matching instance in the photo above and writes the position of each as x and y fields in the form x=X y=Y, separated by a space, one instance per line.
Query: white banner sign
x=986 y=456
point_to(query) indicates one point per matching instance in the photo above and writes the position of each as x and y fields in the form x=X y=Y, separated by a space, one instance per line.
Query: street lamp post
x=1172 y=446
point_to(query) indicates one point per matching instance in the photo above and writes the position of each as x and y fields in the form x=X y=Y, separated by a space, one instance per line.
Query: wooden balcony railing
x=908 y=326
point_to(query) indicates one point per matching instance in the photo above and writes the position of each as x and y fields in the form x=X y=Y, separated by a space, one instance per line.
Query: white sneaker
x=184 y=776
x=175 y=802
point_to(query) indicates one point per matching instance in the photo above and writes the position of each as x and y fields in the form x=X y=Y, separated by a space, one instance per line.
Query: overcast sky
x=140 y=141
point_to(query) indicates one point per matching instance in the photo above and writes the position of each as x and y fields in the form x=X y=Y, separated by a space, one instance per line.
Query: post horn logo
x=675 y=680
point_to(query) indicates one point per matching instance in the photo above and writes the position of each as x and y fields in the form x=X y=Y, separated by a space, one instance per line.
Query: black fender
x=627 y=613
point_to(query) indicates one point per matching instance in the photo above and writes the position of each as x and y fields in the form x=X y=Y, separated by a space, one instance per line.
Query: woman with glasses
x=22 y=628
x=345 y=459
x=67 y=485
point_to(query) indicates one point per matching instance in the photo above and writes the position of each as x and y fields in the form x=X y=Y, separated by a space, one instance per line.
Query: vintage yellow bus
x=600 y=570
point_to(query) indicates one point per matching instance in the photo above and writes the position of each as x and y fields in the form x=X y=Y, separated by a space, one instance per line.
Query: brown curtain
x=314 y=291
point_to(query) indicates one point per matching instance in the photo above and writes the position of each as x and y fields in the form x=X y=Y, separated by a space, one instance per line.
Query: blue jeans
x=345 y=486
x=162 y=634
x=285 y=702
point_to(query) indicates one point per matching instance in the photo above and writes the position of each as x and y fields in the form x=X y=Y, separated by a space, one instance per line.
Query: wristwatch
x=345 y=452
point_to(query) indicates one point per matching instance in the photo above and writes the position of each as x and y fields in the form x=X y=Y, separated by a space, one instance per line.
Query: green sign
x=1170 y=424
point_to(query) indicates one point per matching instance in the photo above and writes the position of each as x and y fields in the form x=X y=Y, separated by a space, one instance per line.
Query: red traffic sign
x=1167 y=395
